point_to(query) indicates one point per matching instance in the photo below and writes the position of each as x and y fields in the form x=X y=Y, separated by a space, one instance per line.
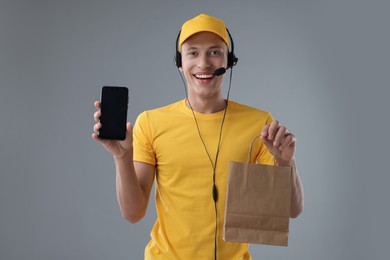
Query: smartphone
x=114 y=102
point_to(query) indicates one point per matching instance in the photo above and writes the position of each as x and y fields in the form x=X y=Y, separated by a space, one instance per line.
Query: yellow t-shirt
x=168 y=138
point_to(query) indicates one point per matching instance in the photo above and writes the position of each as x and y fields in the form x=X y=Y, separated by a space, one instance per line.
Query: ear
x=181 y=69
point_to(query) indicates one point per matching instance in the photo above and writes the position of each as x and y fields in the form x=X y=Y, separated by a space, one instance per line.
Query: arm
x=296 y=205
x=281 y=144
x=134 y=180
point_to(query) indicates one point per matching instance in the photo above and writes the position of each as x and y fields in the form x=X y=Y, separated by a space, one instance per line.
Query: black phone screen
x=114 y=101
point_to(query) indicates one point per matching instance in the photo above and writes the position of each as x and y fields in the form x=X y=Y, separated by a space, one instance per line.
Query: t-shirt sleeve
x=264 y=156
x=143 y=140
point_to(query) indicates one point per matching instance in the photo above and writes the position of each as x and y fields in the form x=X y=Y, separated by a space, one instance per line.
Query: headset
x=232 y=59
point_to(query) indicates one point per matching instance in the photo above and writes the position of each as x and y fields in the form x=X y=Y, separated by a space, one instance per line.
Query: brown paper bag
x=257 y=203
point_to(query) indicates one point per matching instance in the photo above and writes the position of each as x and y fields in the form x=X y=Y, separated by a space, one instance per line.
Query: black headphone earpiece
x=232 y=59
x=178 y=54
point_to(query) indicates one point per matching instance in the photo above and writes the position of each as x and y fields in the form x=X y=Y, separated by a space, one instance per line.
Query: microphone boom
x=220 y=71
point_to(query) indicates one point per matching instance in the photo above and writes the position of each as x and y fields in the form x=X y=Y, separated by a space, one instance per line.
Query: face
x=202 y=54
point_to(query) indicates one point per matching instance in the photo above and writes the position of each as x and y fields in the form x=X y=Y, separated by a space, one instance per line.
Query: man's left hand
x=280 y=142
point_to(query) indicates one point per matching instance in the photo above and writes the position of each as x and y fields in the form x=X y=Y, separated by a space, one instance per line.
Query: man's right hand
x=118 y=149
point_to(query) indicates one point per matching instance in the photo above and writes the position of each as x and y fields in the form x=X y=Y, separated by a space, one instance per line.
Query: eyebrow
x=211 y=47
x=191 y=48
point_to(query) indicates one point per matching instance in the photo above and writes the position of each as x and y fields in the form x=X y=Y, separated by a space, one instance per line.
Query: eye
x=192 y=53
x=215 y=53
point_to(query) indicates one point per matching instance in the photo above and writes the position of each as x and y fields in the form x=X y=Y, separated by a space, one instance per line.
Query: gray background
x=321 y=68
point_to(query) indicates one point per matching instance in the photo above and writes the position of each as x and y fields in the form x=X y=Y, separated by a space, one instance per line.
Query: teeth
x=204 y=76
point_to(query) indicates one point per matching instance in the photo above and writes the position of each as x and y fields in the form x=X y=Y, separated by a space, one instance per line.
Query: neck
x=206 y=106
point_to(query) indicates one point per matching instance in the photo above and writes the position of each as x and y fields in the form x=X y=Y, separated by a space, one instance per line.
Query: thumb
x=129 y=127
x=128 y=142
x=129 y=130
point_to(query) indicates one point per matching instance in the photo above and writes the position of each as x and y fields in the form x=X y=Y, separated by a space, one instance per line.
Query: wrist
x=285 y=163
x=126 y=156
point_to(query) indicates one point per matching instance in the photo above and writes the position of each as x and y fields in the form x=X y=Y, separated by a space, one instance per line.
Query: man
x=186 y=146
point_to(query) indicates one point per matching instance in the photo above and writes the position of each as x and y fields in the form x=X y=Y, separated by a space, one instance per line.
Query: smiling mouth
x=204 y=76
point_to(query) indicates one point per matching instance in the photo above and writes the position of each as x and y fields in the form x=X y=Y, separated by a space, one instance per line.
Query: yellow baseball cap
x=203 y=23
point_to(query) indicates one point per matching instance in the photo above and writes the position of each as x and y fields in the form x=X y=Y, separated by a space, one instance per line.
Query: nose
x=203 y=62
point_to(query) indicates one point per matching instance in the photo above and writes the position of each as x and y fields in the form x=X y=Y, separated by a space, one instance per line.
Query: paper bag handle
x=250 y=150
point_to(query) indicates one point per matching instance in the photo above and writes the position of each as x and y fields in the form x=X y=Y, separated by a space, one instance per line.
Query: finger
x=267 y=143
x=97 y=115
x=129 y=129
x=279 y=135
x=96 y=128
x=264 y=131
x=273 y=129
x=95 y=136
x=289 y=139
x=97 y=104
